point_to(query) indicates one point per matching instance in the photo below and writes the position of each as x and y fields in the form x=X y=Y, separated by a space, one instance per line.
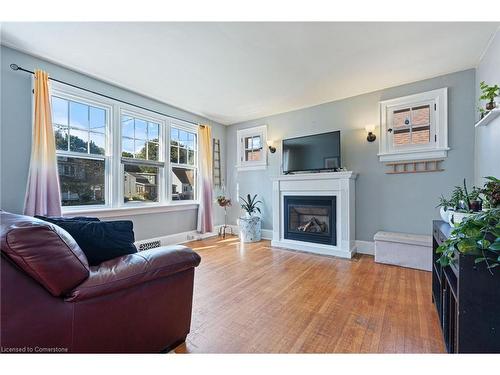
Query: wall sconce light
x=371 y=136
x=272 y=149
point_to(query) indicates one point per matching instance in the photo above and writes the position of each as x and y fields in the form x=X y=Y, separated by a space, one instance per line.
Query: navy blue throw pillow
x=99 y=240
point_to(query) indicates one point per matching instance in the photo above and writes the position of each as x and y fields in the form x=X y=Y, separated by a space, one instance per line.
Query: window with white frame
x=414 y=127
x=112 y=155
x=251 y=148
x=142 y=161
x=81 y=129
x=183 y=162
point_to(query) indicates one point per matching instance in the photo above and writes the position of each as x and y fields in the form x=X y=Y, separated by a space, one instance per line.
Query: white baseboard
x=178 y=238
x=365 y=247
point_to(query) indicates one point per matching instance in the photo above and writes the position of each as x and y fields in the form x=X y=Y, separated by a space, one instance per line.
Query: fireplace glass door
x=310 y=219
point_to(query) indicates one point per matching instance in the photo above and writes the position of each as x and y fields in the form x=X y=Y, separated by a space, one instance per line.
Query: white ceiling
x=232 y=72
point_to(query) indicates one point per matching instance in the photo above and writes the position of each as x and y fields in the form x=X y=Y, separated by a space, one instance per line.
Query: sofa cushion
x=44 y=251
x=99 y=240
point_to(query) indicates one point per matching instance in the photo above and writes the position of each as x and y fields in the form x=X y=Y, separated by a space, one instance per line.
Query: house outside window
x=251 y=148
x=414 y=127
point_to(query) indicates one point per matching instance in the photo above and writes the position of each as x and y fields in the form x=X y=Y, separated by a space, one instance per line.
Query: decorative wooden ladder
x=216 y=163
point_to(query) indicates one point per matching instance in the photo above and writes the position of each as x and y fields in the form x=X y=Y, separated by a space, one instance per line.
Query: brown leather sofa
x=52 y=301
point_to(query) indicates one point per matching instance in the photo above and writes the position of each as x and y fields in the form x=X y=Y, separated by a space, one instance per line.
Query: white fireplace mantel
x=338 y=184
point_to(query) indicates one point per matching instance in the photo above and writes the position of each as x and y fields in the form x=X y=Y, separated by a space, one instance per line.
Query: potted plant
x=224 y=202
x=491 y=192
x=489 y=93
x=250 y=225
x=478 y=235
x=446 y=207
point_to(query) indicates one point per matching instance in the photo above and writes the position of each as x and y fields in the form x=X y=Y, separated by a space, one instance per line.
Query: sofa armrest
x=133 y=269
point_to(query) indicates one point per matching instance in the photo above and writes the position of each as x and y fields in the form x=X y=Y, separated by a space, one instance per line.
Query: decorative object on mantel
x=224 y=202
x=250 y=225
x=488 y=93
x=416 y=166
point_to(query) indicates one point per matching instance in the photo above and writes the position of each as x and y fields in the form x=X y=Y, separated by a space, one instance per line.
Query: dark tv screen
x=312 y=153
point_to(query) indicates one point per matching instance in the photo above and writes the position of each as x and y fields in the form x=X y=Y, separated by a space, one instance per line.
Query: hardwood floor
x=252 y=298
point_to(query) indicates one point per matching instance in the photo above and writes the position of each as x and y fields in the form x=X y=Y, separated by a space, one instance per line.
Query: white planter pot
x=458 y=217
x=445 y=214
x=250 y=229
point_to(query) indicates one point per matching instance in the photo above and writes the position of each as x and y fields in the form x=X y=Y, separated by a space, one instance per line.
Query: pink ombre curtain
x=205 y=210
x=43 y=195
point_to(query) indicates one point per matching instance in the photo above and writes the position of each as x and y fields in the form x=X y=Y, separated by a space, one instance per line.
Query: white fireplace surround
x=338 y=184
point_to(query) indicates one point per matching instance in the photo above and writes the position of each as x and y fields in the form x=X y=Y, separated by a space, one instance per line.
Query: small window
x=140 y=138
x=414 y=127
x=140 y=183
x=251 y=148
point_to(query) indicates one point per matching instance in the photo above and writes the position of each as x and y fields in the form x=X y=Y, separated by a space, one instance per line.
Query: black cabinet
x=467 y=298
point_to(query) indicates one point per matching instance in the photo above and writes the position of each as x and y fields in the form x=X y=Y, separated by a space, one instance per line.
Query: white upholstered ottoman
x=403 y=249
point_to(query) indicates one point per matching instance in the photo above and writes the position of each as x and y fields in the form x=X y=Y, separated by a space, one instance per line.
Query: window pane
x=174 y=154
x=174 y=136
x=59 y=111
x=61 y=134
x=81 y=180
x=420 y=135
x=78 y=115
x=191 y=157
x=140 y=183
x=140 y=149
x=127 y=147
x=153 y=132
x=401 y=118
x=183 y=181
x=140 y=129
x=97 y=119
x=127 y=126
x=78 y=140
x=97 y=143
x=256 y=143
x=182 y=156
x=252 y=155
x=420 y=115
x=153 y=151
x=401 y=137
x=248 y=143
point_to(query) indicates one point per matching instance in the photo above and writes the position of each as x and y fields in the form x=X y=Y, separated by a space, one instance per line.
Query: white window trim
x=440 y=125
x=115 y=205
x=251 y=165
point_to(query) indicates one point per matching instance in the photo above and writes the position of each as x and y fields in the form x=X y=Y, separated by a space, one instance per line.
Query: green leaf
x=466 y=245
x=483 y=244
x=479 y=260
x=495 y=246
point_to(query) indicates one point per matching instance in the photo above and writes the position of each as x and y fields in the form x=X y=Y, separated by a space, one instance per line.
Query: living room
x=250 y=187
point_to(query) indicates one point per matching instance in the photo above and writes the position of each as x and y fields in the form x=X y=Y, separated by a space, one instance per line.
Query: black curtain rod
x=17 y=67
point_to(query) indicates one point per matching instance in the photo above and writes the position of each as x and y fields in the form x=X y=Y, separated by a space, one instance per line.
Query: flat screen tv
x=317 y=152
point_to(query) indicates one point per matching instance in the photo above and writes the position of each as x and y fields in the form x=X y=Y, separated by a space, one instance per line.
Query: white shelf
x=494 y=113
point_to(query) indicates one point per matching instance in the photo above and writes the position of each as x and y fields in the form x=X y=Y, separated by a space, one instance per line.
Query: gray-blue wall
x=399 y=203
x=15 y=133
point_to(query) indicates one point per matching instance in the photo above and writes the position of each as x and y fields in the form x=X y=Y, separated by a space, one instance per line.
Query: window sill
x=242 y=168
x=414 y=155
x=126 y=211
